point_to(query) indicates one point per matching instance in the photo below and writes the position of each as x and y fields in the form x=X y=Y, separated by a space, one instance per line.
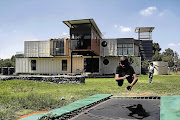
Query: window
x=64 y=65
x=72 y=37
x=96 y=39
x=92 y=36
x=33 y=64
x=124 y=49
x=58 y=47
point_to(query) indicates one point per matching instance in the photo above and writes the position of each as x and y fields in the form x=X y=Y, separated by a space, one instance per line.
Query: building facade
x=86 y=51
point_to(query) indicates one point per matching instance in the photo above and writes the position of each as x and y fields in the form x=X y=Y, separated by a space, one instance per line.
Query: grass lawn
x=19 y=97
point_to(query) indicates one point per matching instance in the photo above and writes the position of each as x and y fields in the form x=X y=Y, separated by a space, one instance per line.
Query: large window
x=64 y=65
x=125 y=49
x=58 y=47
x=33 y=64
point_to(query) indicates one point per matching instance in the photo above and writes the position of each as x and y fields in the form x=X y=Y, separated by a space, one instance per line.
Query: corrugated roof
x=144 y=29
x=70 y=24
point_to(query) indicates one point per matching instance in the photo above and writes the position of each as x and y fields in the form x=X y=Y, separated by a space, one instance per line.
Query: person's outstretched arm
x=120 y=78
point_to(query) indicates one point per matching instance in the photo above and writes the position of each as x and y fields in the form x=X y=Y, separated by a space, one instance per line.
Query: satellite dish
x=104 y=43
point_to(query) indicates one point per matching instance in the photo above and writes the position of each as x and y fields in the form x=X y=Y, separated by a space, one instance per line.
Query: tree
x=168 y=59
x=157 y=56
x=170 y=56
x=156 y=52
x=6 y=63
x=168 y=52
x=156 y=47
x=1 y=63
x=176 y=58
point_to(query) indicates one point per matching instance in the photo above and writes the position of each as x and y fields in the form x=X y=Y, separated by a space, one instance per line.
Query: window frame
x=64 y=68
x=125 y=48
x=33 y=65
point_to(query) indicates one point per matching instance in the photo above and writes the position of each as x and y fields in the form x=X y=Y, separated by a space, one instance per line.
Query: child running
x=151 y=71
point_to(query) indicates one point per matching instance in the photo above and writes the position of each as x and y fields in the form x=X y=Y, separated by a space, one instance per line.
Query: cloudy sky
x=31 y=20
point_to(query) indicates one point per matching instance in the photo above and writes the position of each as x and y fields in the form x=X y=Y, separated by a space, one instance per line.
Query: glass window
x=72 y=36
x=124 y=49
x=96 y=39
x=119 y=45
x=92 y=35
x=64 y=65
x=119 y=51
x=33 y=64
x=130 y=51
x=125 y=45
x=129 y=45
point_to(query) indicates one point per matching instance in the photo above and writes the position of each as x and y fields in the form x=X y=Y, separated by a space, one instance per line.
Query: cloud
x=148 y=11
x=122 y=28
x=179 y=44
x=125 y=29
x=64 y=35
x=171 y=45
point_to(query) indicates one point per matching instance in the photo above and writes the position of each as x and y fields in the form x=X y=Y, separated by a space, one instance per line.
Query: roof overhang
x=144 y=29
x=70 y=24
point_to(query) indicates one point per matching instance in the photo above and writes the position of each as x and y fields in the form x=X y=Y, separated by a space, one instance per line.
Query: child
x=151 y=71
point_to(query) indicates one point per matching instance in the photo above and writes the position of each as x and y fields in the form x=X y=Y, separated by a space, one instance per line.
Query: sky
x=36 y=20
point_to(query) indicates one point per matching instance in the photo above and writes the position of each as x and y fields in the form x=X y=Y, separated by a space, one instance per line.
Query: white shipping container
x=37 y=48
x=49 y=65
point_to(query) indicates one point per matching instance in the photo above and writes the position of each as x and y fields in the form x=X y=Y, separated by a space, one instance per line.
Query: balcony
x=80 y=44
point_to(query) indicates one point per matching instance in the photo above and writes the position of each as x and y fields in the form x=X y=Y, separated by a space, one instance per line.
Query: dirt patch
x=37 y=112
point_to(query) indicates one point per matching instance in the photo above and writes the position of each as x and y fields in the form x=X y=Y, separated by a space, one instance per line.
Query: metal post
x=8 y=70
x=71 y=60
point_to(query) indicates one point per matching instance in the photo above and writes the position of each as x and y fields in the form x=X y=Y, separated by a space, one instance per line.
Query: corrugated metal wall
x=78 y=64
x=37 y=48
x=22 y=65
x=49 y=65
x=110 y=68
x=162 y=68
x=110 y=49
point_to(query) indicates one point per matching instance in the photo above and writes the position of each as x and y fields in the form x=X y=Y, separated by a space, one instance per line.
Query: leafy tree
x=171 y=57
x=13 y=58
x=168 y=59
x=144 y=65
x=176 y=58
x=7 y=63
x=156 y=47
x=156 y=52
x=157 y=56
x=1 y=63
x=168 y=52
